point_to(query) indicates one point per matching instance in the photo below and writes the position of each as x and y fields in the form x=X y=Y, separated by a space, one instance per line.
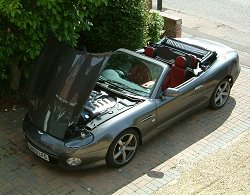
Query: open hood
x=60 y=85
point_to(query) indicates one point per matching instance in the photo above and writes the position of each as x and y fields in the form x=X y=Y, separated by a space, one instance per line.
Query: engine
x=99 y=102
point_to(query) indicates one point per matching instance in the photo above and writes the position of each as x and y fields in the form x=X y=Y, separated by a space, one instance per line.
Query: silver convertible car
x=90 y=109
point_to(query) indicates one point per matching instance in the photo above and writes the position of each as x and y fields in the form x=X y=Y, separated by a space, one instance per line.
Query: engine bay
x=104 y=104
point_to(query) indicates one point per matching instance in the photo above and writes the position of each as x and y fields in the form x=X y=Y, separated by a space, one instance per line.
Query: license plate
x=38 y=152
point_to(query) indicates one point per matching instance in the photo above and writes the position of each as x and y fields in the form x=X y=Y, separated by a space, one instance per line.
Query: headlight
x=82 y=138
x=84 y=134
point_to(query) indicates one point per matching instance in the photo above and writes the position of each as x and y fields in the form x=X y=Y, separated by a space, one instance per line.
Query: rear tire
x=123 y=149
x=220 y=94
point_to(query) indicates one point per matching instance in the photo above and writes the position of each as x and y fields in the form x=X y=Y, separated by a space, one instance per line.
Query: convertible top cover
x=206 y=56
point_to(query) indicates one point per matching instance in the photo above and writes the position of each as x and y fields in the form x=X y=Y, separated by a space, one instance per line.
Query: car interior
x=186 y=61
x=183 y=66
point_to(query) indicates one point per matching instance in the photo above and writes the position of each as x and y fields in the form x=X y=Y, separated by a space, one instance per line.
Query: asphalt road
x=233 y=13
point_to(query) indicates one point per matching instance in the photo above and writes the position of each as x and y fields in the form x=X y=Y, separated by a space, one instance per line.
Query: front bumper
x=56 y=150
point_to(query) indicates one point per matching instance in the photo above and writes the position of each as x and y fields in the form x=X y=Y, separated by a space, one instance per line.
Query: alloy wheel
x=125 y=148
x=222 y=94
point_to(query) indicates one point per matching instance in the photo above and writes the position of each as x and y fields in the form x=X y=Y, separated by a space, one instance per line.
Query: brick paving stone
x=127 y=190
x=151 y=186
x=140 y=192
x=156 y=183
x=140 y=183
x=133 y=187
x=213 y=147
x=32 y=192
x=148 y=190
x=79 y=192
x=6 y=188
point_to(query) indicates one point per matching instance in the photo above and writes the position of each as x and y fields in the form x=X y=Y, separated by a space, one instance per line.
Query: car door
x=179 y=102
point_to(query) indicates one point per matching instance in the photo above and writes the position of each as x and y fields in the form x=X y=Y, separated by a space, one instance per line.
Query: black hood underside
x=61 y=84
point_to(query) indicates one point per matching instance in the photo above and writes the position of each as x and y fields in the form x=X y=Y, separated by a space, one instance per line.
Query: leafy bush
x=121 y=23
x=155 y=26
x=25 y=24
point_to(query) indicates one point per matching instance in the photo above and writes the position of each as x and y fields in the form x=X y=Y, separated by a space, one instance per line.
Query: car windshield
x=130 y=74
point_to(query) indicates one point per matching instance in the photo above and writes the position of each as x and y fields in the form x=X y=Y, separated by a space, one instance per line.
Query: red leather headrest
x=193 y=61
x=180 y=61
x=149 y=51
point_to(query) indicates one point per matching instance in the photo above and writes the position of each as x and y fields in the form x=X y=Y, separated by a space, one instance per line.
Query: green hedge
x=155 y=27
x=119 y=24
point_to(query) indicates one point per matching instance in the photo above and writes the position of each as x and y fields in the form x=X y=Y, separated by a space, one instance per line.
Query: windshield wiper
x=138 y=90
x=126 y=88
x=109 y=83
x=117 y=85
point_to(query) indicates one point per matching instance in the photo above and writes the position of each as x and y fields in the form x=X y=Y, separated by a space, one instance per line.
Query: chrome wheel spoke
x=118 y=154
x=225 y=93
x=225 y=87
x=124 y=157
x=129 y=139
x=221 y=100
x=131 y=148
x=120 y=143
x=220 y=89
x=217 y=98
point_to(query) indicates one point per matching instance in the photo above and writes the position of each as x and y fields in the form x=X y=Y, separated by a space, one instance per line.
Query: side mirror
x=171 y=92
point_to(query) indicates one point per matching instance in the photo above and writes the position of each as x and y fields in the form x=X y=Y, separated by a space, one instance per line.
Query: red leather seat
x=194 y=61
x=139 y=74
x=176 y=75
x=149 y=51
x=191 y=61
x=192 y=64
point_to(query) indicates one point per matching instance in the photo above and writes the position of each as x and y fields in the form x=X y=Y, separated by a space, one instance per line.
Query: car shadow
x=105 y=180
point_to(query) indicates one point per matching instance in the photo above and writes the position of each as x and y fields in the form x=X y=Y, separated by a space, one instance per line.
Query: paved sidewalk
x=225 y=172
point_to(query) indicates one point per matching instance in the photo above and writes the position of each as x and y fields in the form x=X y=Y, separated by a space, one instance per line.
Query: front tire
x=123 y=149
x=220 y=94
